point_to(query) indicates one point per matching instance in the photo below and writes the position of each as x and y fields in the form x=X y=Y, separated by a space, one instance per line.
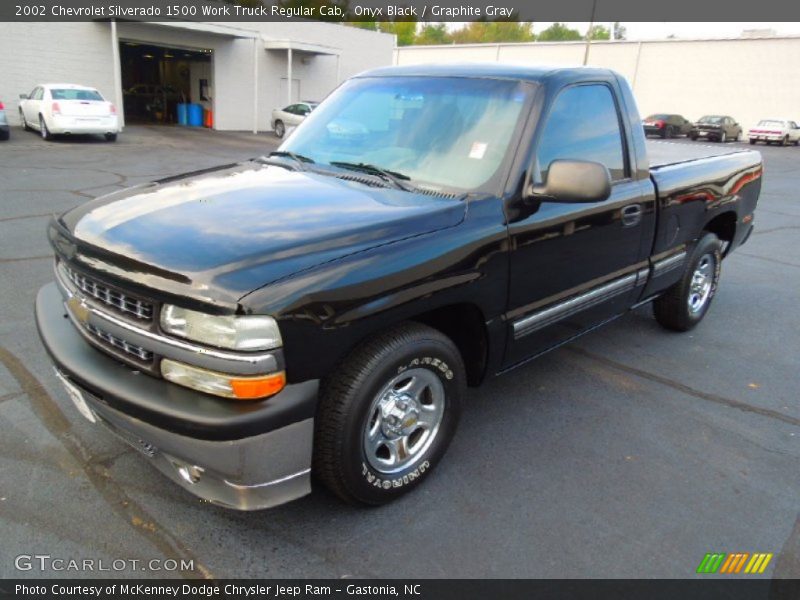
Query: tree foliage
x=598 y=32
x=493 y=32
x=559 y=32
x=432 y=34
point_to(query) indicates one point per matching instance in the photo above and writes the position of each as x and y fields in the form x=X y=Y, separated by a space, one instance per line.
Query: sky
x=649 y=31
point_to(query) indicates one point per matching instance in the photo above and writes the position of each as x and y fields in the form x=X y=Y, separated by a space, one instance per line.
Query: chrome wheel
x=403 y=420
x=701 y=283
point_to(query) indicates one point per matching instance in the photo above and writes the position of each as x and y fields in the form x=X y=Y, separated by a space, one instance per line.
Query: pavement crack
x=730 y=402
x=48 y=412
x=11 y=396
x=767 y=259
x=38 y=216
x=24 y=258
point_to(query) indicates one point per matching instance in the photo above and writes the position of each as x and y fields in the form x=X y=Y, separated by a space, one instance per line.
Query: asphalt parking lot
x=631 y=453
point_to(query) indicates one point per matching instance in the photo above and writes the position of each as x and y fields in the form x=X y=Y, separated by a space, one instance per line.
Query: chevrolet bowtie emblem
x=78 y=309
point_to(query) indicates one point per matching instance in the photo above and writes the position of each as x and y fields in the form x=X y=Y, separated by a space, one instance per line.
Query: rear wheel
x=785 y=141
x=387 y=414
x=4 y=134
x=111 y=137
x=685 y=304
x=46 y=135
x=752 y=142
x=280 y=129
x=693 y=137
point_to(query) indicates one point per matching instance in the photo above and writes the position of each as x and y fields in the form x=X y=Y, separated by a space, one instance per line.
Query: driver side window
x=583 y=124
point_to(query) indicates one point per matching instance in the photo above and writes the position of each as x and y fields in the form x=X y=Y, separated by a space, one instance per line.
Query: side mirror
x=573 y=181
x=23 y=96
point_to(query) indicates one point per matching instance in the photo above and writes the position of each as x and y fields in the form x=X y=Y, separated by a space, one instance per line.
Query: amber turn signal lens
x=252 y=389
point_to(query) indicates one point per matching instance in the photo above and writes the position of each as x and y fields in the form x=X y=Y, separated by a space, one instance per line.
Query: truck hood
x=219 y=235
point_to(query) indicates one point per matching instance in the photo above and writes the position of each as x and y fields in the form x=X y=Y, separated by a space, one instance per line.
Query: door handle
x=631 y=215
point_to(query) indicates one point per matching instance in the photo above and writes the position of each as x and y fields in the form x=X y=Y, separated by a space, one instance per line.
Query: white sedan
x=290 y=116
x=64 y=108
x=780 y=131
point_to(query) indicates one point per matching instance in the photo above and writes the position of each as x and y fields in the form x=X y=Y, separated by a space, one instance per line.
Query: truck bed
x=663 y=154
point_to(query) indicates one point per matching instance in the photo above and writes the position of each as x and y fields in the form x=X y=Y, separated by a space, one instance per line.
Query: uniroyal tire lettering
x=437 y=363
x=394 y=483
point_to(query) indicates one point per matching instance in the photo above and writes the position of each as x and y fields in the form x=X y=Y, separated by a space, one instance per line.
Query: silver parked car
x=5 y=132
x=290 y=116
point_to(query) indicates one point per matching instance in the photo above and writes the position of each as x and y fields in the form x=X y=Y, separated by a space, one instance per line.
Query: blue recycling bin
x=195 y=115
x=183 y=114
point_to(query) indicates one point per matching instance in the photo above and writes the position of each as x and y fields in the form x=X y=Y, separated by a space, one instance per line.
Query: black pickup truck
x=319 y=311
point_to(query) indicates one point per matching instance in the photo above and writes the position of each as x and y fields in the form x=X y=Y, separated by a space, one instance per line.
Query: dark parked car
x=322 y=309
x=666 y=126
x=5 y=132
x=717 y=128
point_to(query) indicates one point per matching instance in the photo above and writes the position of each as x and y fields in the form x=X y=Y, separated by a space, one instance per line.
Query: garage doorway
x=155 y=79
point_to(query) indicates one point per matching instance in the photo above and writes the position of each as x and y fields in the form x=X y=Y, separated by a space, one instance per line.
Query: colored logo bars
x=734 y=563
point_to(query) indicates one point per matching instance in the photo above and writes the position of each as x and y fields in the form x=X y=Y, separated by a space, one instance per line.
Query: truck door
x=573 y=266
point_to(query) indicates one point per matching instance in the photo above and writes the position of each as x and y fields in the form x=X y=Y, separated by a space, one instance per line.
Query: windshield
x=710 y=119
x=68 y=94
x=440 y=132
x=657 y=118
x=771 y=123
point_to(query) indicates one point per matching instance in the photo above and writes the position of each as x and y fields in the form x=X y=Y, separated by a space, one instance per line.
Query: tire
x=22 y=120
x=752 y=142
x=693 y=137
x=685 y=303
x=111 y=137
x=280 y=129
x=46 y=135
x=4 y=134
x=369 y=444
x=664 y=133
x=785 y=141
x=723 y=137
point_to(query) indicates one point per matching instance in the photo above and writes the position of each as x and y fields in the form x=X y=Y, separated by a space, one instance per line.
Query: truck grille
x=111 y=340
x=116 y=299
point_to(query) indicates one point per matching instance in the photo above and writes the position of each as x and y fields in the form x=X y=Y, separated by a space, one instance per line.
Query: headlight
x=224 y=331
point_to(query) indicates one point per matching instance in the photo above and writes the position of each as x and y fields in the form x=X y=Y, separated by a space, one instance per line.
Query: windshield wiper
x=392 y=177
x=301 y=160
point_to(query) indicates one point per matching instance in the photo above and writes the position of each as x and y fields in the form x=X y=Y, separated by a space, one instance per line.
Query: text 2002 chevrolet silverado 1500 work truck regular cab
x=320 y=311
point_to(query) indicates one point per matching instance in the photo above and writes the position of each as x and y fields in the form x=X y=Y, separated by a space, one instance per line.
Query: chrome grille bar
x=122 y=302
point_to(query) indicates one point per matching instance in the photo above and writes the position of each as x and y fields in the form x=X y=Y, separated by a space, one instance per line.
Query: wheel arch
x=724 y=227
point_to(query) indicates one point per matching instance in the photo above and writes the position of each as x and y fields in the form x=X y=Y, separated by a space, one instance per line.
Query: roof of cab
x=483 y=70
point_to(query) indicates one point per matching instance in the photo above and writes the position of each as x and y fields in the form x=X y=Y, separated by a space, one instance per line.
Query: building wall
x=749 y=79
x=35 y=53
x=82 y=53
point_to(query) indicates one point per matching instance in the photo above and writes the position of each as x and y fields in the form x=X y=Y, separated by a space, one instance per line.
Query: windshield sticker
x=478 y=150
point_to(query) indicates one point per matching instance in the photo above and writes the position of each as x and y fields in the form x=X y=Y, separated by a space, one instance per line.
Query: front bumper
x=650 y=130
x=243 y=455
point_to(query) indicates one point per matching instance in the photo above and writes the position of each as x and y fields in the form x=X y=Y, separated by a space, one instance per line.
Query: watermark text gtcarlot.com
x=46 y=562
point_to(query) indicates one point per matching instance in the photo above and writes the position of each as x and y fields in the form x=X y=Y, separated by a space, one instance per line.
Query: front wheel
x=280 y=129
x=111 y=137
x=23 y=121
x=785 y=141
x=387 y=414
x=723 y=138
x=752 y=142
x=685 y=304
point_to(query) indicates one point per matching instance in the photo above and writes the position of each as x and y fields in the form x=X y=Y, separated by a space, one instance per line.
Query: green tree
x=433 y=34
x=598 y=32
x=406 y=31
x=493 y=32
x=559 y=32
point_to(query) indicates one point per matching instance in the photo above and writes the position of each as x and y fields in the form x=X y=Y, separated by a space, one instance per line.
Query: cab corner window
x=583 y=124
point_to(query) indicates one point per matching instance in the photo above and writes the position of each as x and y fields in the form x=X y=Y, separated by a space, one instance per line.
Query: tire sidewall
x=708 y=244
x=366 y=483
